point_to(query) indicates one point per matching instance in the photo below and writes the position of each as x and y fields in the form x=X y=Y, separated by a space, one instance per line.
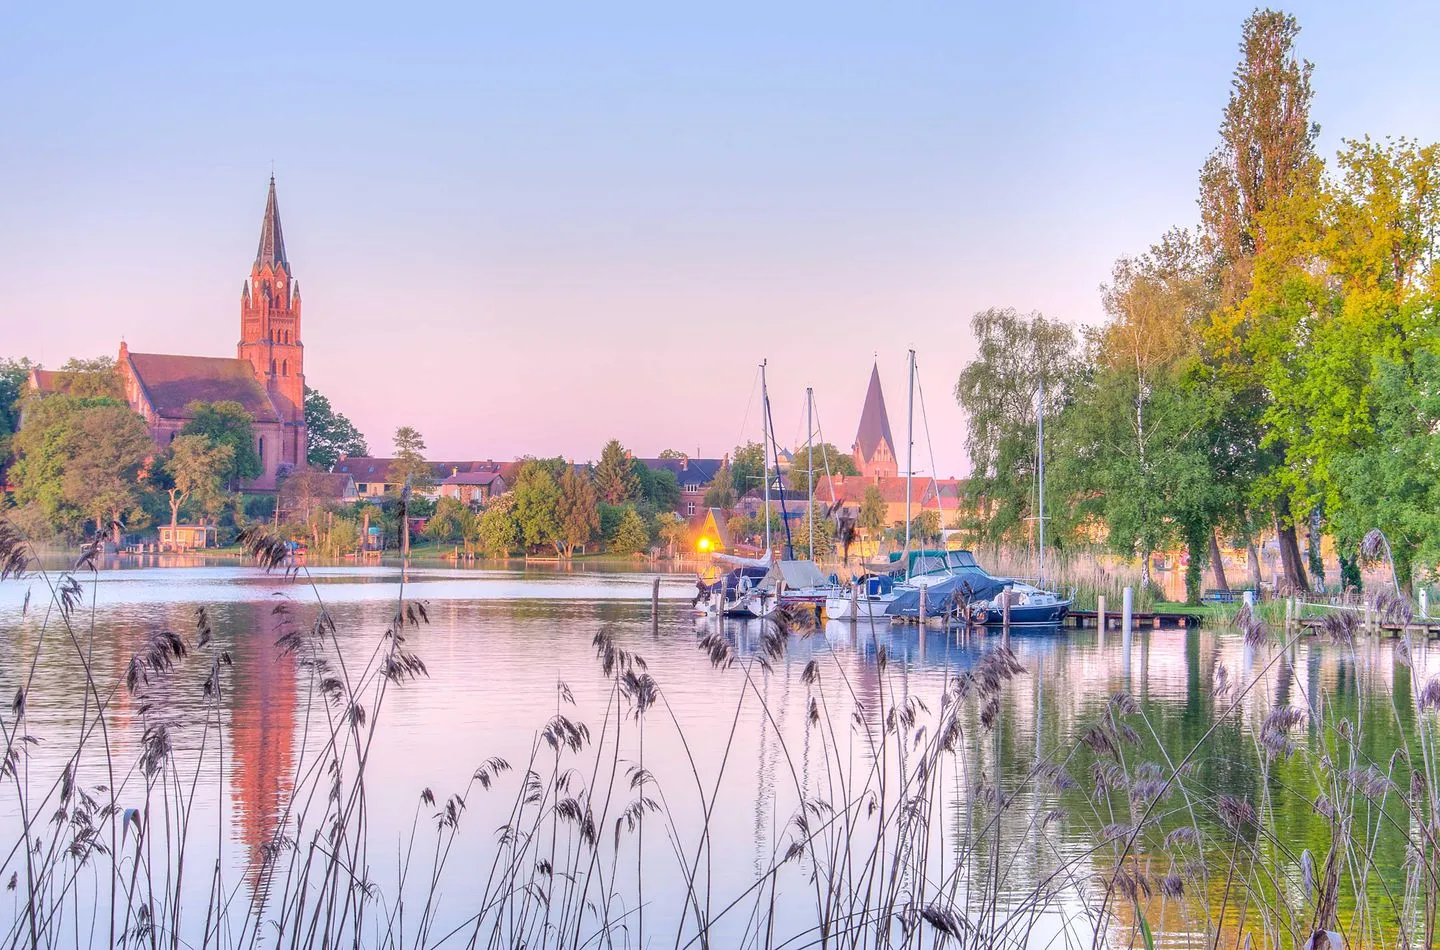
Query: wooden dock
x=1150 y=620
x=1429 y=627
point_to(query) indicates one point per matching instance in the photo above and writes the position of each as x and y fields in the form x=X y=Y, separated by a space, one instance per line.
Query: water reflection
x=499 y=640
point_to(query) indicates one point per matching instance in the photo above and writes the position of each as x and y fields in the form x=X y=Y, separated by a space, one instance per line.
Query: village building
x=874 y=448
x=847 y=492
x=470 y=482
x=693 y=475
x=266 y=376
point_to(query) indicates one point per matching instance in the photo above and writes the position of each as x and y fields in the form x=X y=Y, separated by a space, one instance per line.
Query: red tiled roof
x=923 y=491
x=173 y=382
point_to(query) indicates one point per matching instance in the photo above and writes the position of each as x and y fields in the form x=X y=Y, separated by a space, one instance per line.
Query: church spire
x=272 y=239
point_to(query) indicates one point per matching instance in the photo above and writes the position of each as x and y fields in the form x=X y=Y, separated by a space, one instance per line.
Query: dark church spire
x=272 y=239
x=874 y=421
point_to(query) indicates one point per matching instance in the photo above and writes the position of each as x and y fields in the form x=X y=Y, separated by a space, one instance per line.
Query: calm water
x=498 y=642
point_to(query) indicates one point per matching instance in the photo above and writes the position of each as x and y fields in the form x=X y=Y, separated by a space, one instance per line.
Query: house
x=305 y=491
x=712 y=535
x=945 y=495
x=186 y=537
x=473 y=482
x=693 y=475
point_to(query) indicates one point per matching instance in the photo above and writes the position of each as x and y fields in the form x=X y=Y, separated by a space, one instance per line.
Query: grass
x=903 y=833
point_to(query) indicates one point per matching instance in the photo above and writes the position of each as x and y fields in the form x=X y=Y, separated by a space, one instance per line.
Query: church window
x=284 y=367
x=262 y=449
x=272 y=367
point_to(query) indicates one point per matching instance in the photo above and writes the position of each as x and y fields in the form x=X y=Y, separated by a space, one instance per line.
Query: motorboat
x=965 y=590
x=864 y=597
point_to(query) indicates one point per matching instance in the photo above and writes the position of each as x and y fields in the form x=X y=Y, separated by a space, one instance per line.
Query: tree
x=498 y=530
x=452 y=521
x=615 y=478
x=328 y=433
x=631 y=535
x=1017 y=355
x=925 y=527
x=828 y=461
x=93 y=379
x=823 y=543
x=659 y=487
x=227 y=423
x=578 y=514
x=872 y=511
x=536 y=505
x=196 y=468
x=673 y=530
x=671 y=454
x=13 y=374
x=44 y=449
x=410 y=464
x=1266 y=157
x=747 y=468
x=721 y=492
x=108 y=449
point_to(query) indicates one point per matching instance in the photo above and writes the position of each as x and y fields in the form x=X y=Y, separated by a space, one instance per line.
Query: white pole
x=1040 y=470
x=1127 y=612
x=765 y=450
x=810 y=464
x=909 y=457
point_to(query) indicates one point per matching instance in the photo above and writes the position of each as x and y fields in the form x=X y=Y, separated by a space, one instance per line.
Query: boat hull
x=1036 y=614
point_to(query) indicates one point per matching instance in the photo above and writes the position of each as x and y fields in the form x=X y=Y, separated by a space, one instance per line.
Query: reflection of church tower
x=874 y=447
x=270 y=331
x=262 y=732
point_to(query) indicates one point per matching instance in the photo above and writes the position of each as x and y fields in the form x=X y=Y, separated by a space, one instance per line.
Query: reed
x=908 y=822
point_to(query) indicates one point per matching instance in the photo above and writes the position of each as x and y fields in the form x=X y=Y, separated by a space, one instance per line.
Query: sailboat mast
x=765 y=449
x=909 y=456
x=810 y=464
x=1040 y=473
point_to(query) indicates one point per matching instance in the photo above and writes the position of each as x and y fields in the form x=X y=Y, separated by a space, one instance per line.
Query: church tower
x=270 y=331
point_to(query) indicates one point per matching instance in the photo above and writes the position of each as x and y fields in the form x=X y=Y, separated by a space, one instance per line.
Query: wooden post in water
x=924 y=602
x=1127 y=631
x=854 y=603
x=1100 y=614
x=1005 y=619
x=655 y=606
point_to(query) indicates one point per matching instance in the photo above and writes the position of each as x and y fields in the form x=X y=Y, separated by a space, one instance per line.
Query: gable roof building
x=874 y=448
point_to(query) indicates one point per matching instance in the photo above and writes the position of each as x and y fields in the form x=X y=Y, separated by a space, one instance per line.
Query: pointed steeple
x=874 y=428
x=272 y=239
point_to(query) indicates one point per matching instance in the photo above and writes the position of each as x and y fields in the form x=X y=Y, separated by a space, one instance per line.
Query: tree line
x=1270 y=368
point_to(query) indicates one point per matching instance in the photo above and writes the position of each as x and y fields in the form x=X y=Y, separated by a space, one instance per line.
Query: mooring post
x=1127 y=622
x=924 y=603
x=854 y=603
x=1005 y=619
x=1424 y=602
x=655 y=605
x=1100 y=613
x=1289 y=612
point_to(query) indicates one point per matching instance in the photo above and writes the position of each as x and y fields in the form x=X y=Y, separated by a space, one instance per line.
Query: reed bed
x=913 y=821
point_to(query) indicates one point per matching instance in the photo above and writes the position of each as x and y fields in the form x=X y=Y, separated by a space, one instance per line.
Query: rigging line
x=820 y=430
x=930 y=443
x=740 y=437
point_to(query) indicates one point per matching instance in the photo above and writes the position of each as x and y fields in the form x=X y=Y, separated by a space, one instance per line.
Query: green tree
x=109 y=447
x=578 y=513
x=823 y=543
x=721 y=492
x=747 y=468
x=673 y=531
x=13 y=374
x=871 y=518
x=498 y=530
x=328 y=433
x=631 y=534
x=410 y=464
x=828 y=461
x=1017 y=355
x=227 y=423
x=1265 y=158
x=659 y=487
x=90 y=379
x=44 y=448
x=671 y=454
x=615 y=478
x=196 y=468
x=452 y=521
x=537 y=504
x=925 y=527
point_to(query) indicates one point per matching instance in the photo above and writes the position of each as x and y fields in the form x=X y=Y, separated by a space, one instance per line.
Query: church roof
x=173 y=382
x=272 y=238
x=874 y=422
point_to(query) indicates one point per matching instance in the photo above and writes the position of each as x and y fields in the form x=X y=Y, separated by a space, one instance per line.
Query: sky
x=530 y=228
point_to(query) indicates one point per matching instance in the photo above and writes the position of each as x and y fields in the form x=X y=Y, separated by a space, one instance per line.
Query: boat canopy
x=964 y=586
x=928 y=561
x=798 y=574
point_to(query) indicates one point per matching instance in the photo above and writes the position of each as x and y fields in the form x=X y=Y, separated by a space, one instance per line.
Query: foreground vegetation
x=905 y=829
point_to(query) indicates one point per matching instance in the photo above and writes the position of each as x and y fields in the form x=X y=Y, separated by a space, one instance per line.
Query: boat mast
x=1040 y=474
x=765 y=448
x=810 y=464
x=909 y=457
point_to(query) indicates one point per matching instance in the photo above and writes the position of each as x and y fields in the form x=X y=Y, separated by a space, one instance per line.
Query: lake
x=1024 y=815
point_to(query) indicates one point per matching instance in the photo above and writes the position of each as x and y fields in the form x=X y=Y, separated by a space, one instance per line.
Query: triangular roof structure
x=272 y=238
x=874 y=421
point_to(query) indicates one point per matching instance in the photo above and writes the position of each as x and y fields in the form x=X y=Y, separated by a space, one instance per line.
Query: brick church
x=267 y=375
